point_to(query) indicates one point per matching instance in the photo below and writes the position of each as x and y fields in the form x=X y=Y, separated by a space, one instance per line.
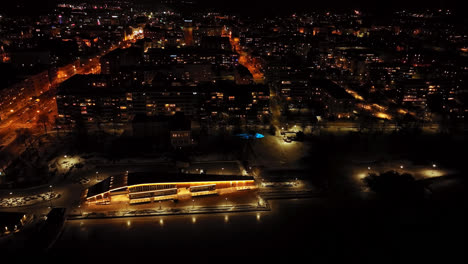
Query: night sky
x=262 y=7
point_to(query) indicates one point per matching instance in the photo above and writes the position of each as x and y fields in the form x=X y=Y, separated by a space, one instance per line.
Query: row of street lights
x=193 y=203
x=402 y=167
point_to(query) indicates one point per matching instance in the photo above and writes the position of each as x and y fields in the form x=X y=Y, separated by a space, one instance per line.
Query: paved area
x=28 y=200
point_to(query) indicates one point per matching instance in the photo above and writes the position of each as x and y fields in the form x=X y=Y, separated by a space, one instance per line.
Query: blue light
x=250 y=136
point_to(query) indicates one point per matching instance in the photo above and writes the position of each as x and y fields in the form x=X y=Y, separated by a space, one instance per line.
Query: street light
x=433 y=165
x=193 y=204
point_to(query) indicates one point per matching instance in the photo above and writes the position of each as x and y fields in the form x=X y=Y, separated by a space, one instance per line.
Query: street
x=24 y=111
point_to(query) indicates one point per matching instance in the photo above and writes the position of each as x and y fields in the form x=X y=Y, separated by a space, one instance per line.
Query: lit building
x=180 y=131
x=190 y=55
x=244 y=102
x=91 y=97
x=147 y=187
x=414 y=92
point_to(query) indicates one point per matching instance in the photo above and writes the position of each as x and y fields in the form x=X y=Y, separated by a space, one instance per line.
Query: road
x=245 y=59
x=24 y=112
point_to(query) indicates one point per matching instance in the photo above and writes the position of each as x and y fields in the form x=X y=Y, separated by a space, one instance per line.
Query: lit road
x=245 y=59
x=258 y=77
x=24 y=112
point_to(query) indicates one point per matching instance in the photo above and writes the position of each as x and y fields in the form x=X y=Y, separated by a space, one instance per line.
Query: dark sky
x=271 y=6
x=260 y=7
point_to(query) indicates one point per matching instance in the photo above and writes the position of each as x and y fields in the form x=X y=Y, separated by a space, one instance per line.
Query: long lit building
x=147 y=187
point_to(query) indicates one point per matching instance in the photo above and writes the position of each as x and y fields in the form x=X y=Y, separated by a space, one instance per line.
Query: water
x=292 y=227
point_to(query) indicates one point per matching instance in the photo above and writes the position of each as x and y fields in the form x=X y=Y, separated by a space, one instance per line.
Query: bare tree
x=43 y=119
x=24 y=135
x=57 y=125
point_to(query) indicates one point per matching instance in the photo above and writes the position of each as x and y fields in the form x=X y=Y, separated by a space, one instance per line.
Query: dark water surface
x=292 y=227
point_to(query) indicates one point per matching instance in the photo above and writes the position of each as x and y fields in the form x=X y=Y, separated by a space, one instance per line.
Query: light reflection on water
x=288 y=218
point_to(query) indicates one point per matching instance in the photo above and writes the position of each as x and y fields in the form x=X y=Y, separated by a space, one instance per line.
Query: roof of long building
x=148 y=177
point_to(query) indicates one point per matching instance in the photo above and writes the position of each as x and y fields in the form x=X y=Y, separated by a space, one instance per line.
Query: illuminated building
x=190 y=55
x=153 y=33
x=414 y=92
x=180 y=131
x=88 y=97
x=145 y=187
x=245 y=102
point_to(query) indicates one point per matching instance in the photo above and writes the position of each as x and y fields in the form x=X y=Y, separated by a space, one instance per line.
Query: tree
x=266 y=120
x=43 y=118
x=236 y=122
x=24 y=136
x=98 y=117
x=81 y=131
x=57 y=125
x=272 y=130
x=395 y=186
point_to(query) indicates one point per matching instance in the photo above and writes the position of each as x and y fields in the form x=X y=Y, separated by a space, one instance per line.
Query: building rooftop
x=94 y=84
x=156 y=177
x=331 y=88
x=149 y=177
x=188 y=50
